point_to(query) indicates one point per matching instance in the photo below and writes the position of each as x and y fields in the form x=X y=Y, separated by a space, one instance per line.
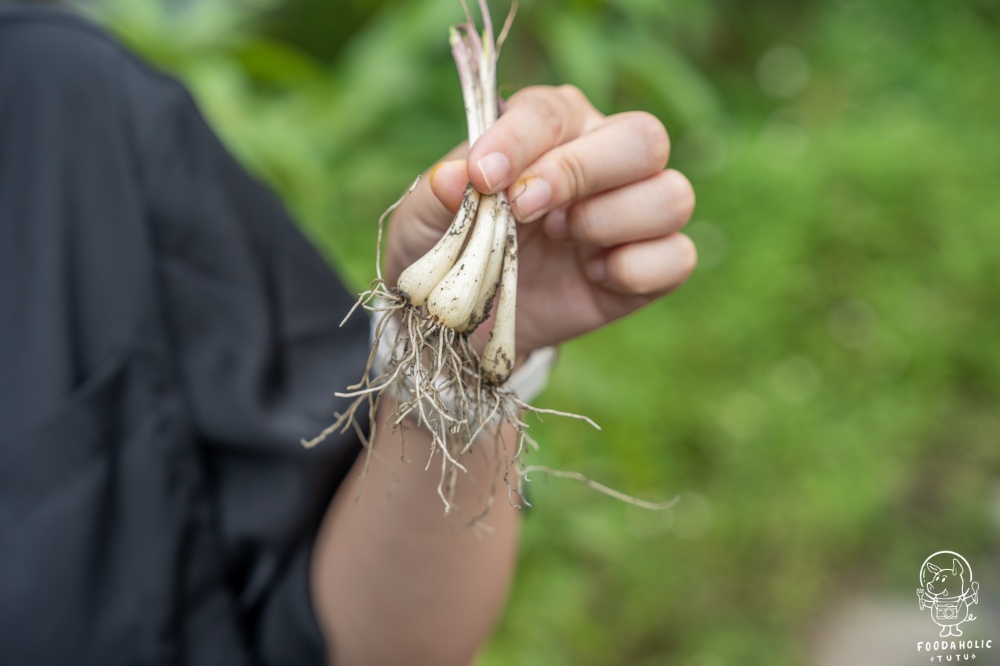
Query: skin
x=394 y=582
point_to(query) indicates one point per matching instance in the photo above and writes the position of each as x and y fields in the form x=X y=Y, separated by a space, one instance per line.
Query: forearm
x=396 y=581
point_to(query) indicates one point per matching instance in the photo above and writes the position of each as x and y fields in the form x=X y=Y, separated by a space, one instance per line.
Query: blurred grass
x=823 y=393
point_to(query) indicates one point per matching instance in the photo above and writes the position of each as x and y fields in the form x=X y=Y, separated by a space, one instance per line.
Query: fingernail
x=434 y=171
x=531 y=195
x=494 y=168
x=596 y=269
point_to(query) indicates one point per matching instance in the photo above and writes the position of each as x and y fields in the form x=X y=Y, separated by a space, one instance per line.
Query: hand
x=601 y=217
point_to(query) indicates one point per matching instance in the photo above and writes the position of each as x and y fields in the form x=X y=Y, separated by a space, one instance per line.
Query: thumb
x=424 y=215
x=448 y=180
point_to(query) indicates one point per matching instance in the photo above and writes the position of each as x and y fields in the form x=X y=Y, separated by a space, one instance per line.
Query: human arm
x=394 y=581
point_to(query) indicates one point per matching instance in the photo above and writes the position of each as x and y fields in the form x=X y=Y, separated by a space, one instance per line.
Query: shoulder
x=50 y=46
x=58 y=66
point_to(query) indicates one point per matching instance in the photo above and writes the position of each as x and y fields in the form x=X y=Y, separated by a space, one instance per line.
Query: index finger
x=537 y=120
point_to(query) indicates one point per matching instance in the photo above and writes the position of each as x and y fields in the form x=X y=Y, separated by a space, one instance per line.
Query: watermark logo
x=948 y=591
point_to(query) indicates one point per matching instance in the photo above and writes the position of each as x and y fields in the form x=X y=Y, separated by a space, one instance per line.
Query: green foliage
x=822 y=394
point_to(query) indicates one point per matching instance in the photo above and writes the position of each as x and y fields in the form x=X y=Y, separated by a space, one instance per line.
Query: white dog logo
x=948 y=593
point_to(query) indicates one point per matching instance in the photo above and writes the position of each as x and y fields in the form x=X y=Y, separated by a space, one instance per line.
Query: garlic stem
x=499 y=355
x=469 y=75
x=418 y=281
x=452 y=288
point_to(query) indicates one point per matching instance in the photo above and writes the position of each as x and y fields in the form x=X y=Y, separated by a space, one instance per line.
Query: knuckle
x=629 y=272
x=547 y=113
x=555 y=121
x=579 y=107
x=524 y=94
x=573 y=95
x=585 y=226
x=575 y=175
x=540 y=102
x=533 y=107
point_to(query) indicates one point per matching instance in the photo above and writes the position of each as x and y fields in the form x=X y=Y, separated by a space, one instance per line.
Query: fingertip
x=530 y=198
x=684 y=194
x=649 y=267
x=687 y=254
x=448 y=180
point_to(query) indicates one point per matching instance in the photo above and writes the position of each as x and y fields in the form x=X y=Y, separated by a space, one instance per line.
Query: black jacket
x=166 y=338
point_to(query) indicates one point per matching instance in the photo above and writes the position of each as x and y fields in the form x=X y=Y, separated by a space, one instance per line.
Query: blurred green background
x=823 y=393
